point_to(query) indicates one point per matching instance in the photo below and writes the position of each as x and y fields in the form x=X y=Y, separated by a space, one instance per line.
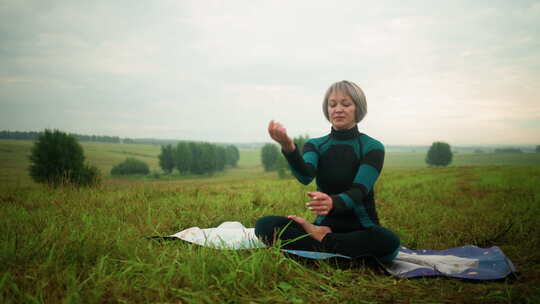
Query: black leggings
x=375 y=241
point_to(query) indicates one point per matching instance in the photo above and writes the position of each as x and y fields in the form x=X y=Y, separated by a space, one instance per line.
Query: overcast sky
x=465 y=72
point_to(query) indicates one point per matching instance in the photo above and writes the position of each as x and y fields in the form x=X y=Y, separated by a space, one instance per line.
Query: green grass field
x=88 y=245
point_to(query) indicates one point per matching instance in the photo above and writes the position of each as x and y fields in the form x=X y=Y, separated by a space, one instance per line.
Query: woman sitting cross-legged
x=346 y=165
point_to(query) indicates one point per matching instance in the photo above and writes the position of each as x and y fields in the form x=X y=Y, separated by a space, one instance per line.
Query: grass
x=88 y=245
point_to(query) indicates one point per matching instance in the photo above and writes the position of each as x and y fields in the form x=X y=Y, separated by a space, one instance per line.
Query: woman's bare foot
x=317 y=232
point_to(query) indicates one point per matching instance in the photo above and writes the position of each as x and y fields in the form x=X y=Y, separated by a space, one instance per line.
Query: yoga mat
x=466 y=262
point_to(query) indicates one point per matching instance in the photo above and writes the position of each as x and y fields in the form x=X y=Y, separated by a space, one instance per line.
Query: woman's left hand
x=320 y=204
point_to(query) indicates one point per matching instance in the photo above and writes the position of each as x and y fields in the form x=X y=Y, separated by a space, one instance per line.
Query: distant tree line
x=34 y=135
x=197 y=158
x=151 y=141
x=507 y=150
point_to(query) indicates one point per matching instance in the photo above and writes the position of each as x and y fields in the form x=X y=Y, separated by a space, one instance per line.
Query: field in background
x=88 y=245
x=14 y=158
x=417 y=159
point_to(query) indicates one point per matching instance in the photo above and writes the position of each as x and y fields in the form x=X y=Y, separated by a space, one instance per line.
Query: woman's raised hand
x=278 y=133
x=320 y=204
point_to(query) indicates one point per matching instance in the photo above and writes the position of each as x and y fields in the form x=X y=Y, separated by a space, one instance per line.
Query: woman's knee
x=388 y=240
x=266 y=226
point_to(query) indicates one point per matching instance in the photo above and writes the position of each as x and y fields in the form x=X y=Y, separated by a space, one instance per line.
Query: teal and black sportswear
x=346 y=165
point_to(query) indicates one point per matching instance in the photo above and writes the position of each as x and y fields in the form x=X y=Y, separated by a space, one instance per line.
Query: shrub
x=89 y=176
x=269 y=157
x=439 y=154
x=282 y=167
x=130 y=166
x=156 y=175
x=57 y=158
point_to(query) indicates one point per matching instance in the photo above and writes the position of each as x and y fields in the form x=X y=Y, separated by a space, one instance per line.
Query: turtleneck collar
x=345 y=134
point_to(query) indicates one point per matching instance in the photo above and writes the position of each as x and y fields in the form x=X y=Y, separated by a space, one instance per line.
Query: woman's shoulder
x=371 y=143
x=315 y=143
x=318 y=140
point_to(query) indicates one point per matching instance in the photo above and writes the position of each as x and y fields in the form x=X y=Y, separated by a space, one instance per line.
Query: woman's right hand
x=321 y=203
x=278 y=133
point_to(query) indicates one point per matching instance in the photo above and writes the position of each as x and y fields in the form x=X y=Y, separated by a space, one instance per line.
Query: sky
x=463 y=72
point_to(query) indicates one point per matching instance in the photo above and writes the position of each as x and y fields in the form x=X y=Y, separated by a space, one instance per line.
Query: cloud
x=221 y=70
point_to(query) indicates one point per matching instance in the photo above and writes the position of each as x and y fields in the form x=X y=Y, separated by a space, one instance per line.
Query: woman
x=346 y=165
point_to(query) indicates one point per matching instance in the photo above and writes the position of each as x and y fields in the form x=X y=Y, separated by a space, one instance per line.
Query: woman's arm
x=303 y=166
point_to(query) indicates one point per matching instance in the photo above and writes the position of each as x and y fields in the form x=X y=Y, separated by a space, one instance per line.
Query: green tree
x=203 y=158
x=88 y=176
x=282 y=167
x=166 y=158
x=196 y=158
x=183 y=157
x=538 y=149
x=208 y=159
x=233 y=155
x=130 y=166
x=57 y=158
x=269 y=157
x=300 y=141
x=439 y=154
x=221 y=157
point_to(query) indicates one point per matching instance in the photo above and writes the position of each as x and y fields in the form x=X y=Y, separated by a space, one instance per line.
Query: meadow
x=89 y=245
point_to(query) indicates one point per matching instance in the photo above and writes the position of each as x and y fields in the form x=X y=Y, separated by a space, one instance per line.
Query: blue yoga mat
x=491 y=263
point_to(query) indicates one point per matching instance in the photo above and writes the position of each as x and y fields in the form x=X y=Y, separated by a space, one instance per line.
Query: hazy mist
x=466 y=72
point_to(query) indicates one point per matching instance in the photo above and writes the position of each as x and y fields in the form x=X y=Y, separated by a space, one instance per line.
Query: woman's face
x=341 y=110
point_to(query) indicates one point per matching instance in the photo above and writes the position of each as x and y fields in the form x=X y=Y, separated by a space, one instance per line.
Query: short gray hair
x=354 y=92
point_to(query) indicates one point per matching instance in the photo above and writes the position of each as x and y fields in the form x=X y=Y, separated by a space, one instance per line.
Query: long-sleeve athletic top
x=346 y=165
